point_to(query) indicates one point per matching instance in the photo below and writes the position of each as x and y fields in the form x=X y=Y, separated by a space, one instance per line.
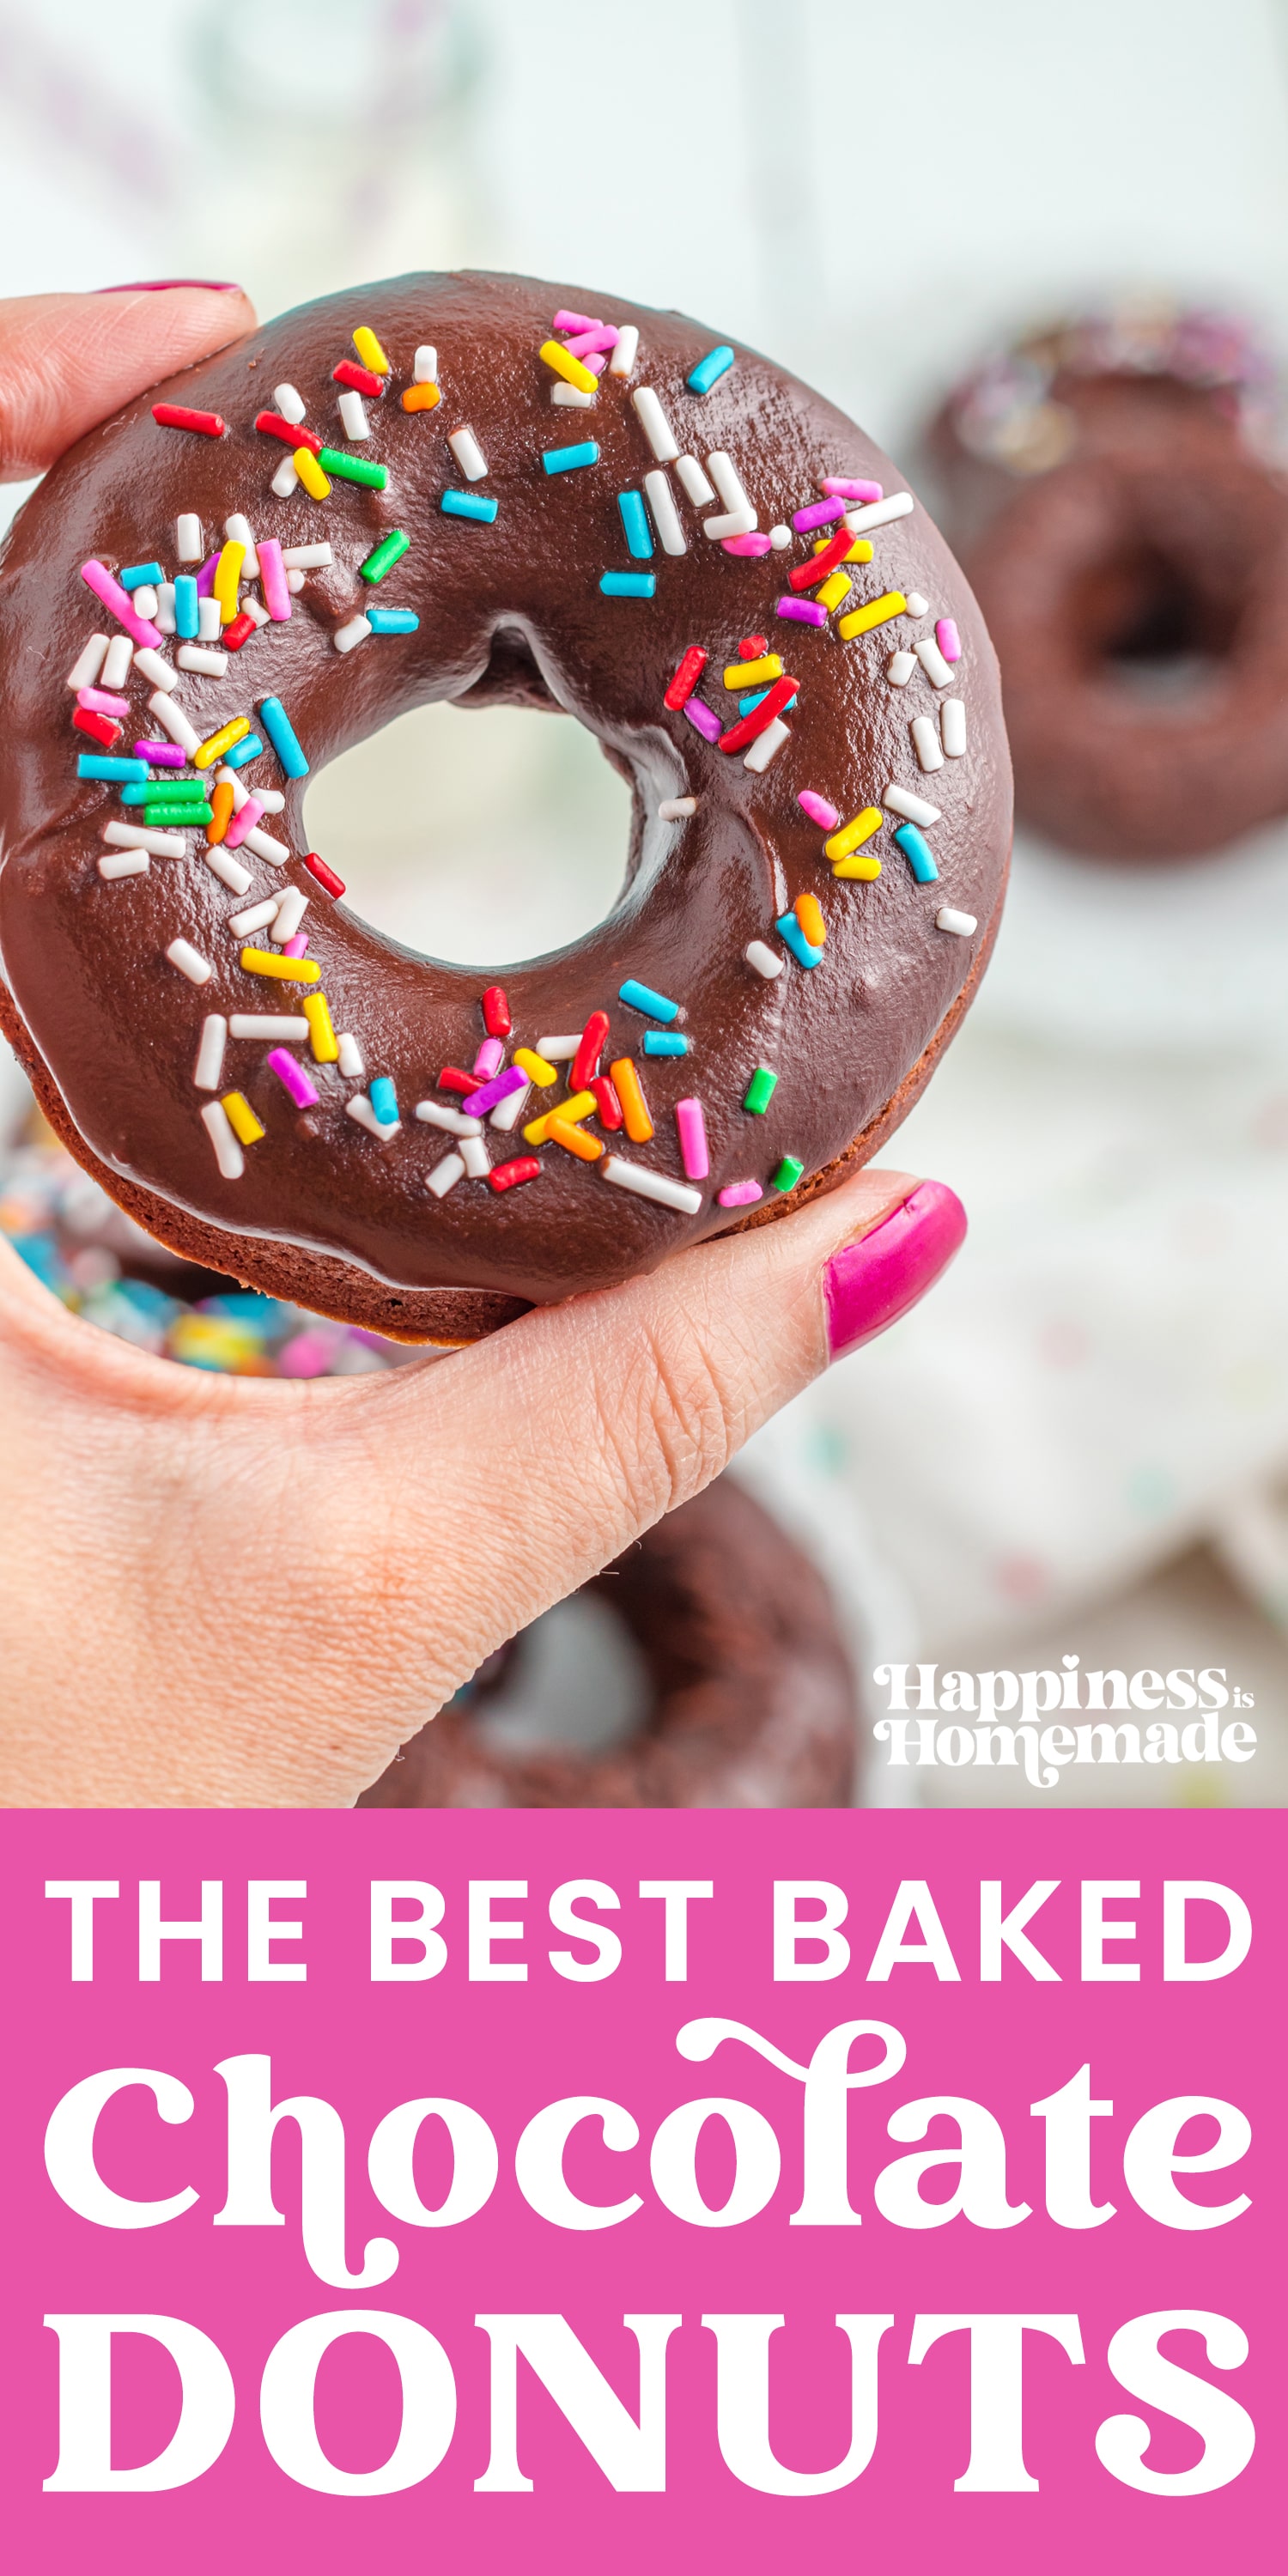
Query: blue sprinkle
x=746 y=704
x=710 y=369
x=101 y=764
x=665 y=1042
x=384 y=1099
x=249 y=748
x=186 y=619
x=562 y=460
x=918 y=853
x=793 y=937
x=468 y=505
x=628 y=585
x=281 y=733
x=392 y=621
x=639 y=535
x=41 y=1254
x=641 y=997
x=141 y=576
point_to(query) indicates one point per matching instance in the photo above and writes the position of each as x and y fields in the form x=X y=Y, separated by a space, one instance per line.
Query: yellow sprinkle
x=420 y=397
x=580 y=1106
x=561 y=1131
x=809 y=914
x=744 y=675
x=227 y=575
x=878 y=612
x=242 y=1119
x=322 y=1037
x=565 y=365
x=635 y=1117
x=536 y=1067
x=288 y=970
x=862 y=864
x=831 y=592
x=221 y=808
x=370 y=351
x=216 y=744
x=852 y=835
x=860 y=551
x=311 y=474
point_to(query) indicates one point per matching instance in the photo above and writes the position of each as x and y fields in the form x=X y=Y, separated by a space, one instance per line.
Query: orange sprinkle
x=562 y=1132
x=809 y=914
x=626 y=1083
x=420 y=397
x=221 y=810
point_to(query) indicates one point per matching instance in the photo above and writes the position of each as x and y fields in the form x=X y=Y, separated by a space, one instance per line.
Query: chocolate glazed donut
x=753 y=1694
x=1118 y=520
x=522 y=580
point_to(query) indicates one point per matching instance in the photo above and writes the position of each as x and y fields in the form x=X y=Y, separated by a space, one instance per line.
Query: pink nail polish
x=877 y=1279
x=158 y=285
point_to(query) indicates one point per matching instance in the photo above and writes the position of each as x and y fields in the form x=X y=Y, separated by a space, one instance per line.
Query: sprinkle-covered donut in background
x=753 y=1695
x=1109 y=485
x=476 y=488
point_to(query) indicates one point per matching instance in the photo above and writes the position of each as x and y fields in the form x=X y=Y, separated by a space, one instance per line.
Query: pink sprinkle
x=596 y=362
x=161 y=755
x=946 y=637
x=756 y=544
x=805 y=612
x=273 y=581
x=120 y=603
x=741 y=1194
x=293 y=1077
x=601 y=336
x=848 y=489
x=706 y=723
x=206 y=577
x=243 y=822
x=818 y=810
x=693 y=1139
x=296 y=947
x=306 y=1355
x=102 y=703
x=490 y=1094
x=489 y=1060
x=575 y=322
x=818 y=514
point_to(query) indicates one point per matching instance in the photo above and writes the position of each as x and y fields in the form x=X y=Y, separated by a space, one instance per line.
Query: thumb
x=67 y=361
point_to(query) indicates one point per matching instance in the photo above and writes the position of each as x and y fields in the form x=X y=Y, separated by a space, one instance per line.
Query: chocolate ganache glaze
x=340 y=1214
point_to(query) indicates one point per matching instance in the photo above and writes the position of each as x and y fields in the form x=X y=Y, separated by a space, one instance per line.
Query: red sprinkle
x=361 y=378
x=291 y=432
x=610 y=1107
x=752 y=646
x=686 y=678
x=452 y=1079
x=586 y=1060
x=740 y=735
x=317 y=867
x=238 y=633
x=805 y=576
x=496 y=1013
x=178 y=416
x=99 y=728
x=507 y=1176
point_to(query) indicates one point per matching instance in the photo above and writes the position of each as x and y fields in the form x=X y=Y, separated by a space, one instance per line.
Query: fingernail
x=874 y=1281
x=158 y=285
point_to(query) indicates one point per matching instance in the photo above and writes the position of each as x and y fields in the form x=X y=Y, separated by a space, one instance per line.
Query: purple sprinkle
x=293 y=1078
x=948 y=639
x=491 y=1094
x=806 y=612
x=756 y=544
x=701 y=717
x=206 y=577
x=819 y=514
x=849 y=490
x=161 y=755
x=489 y=1060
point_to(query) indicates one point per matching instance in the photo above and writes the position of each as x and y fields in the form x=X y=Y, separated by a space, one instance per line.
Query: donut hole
x=574 y=1682
x=1154 y=630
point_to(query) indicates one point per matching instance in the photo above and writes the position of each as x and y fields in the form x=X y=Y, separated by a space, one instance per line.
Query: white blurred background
x=1077 y=1445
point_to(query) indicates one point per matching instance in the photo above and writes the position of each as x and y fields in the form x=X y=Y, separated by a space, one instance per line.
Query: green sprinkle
x=162 y=817
x=760 y=1091
x=167 y=791
x=384 y=556
x=787 y=1174
x=353 y=469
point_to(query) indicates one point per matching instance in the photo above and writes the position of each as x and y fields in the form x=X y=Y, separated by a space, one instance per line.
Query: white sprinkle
x=241 y=924
x=116 y=663
x=963 y=925
x=360 y=1108
x=917 y=606
x=651 y=1185
x=724 y=475
x=571 y=397
x=468 y=454
x=265 y=847
x=626 y=351
x=163 y=617
x=290 y=913
x=559 y=1050
x=763 y=960
x=173 y=721
x=233 y=778
x=145 y=600
x=445 y=1175
x=303 y=558
x=952 y=723
x=155 y=668
x=182 y=954
x=900 y=668
x=780 y=537
x=509 y=1111
x=285 y=479
x=88 y=663
x=346 y=636
x=914 y=809
x=730 y=523
x=937 y=670
x=228 y=1153
x=187 y=537
x=425 y=365
x=210 y=618
x=210 y=1053
x=350 y=1058
x=694 y=481
x=474 y=1155
x=674 y=808
x=251 y=608
x=353 y=413
x=238 y=528
x=202 y=657
x=435 y=1113
x=130 y=863
x=129 y=836
x=666 y=518
x=229 y=870
x=878 y=514
x=295 y=581
x=270 y=1027
x=288 y=402
x=655 y=425
x=271 y=798
x=767 y=745
x=926 y=742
